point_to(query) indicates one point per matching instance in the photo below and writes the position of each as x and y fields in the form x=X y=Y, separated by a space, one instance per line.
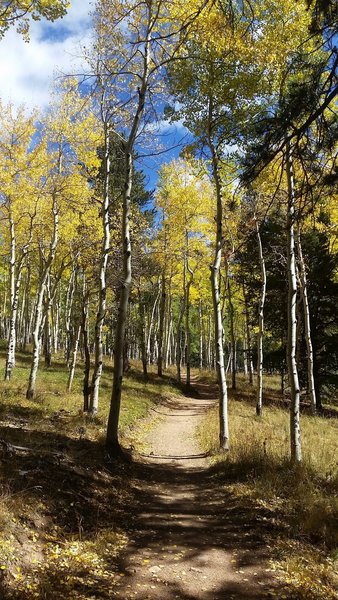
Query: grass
x=303 y=498
x=64 y=513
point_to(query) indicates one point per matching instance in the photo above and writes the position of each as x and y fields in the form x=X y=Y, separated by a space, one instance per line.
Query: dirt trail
x=190 y=538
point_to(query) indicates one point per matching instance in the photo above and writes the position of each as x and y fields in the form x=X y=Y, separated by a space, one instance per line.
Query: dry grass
x=303 y=498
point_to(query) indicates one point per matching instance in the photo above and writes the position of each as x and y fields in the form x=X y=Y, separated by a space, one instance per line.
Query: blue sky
x=27 y=71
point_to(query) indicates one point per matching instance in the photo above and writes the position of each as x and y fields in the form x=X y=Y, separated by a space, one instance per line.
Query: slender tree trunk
x=112 y=440
x=307 y=325
x=47 y=325
x=151 y=324
x=200 y=325
x=215 y=270
x=189 y=281
x=142 y=335
x=38 y=309
x=209 y=342
x=15 y=283
x=56 y=321
x=248 y=338
x=259 y=403
x=86 y=350
x=26 y=332
x=68 y=315
x=245 y=353
x=114 y=414
x=169 y=335
x=233 y=339
x=296 y=452
x=178 y=343
x=161 y=326
x=168 y=327
x=97 y=372
x=74 y=357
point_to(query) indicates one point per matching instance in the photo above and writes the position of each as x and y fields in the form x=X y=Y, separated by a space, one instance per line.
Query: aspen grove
x=174 y=212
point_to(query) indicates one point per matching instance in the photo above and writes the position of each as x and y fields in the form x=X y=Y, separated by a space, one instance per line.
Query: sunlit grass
x=303 y=497
x=62 y=502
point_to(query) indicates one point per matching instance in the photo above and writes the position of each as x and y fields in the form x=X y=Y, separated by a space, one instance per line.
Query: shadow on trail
x=185 y=527
x=187 y=517
x=191 y=538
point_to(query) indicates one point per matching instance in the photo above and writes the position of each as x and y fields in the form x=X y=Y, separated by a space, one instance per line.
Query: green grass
x=51 y=397
x=64 y=506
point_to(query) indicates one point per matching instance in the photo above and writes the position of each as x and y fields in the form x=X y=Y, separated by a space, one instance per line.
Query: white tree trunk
x=295 y=435
x=233 y=357
x=307 y=324
x=200 y=326
x=73 y=363
x=14 y=298
x=14 y=295
x=161 y=325
x=215 y=270
x=152 y=321
x=97 y=372
x=259 y=403
x=68 y=315
x=39 y=303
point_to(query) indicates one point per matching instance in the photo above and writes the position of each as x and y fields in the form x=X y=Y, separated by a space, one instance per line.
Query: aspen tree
x=259 y=402
x=296 y=451
x=20 y=169
x=98 y=362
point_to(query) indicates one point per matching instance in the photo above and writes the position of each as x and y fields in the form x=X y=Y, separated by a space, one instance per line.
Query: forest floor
x=179 y=521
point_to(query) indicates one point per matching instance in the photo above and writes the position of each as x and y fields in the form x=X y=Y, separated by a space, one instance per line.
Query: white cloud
x=27 y=69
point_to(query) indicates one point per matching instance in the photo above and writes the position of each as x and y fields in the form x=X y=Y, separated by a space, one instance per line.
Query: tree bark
x=47 y=325
x=98 y=362
x=112 y=440
x=15 y=283
x=215 y=270
x=161 y=326
x=189 y=280
x=142 y=335
x=307 y=325
x=178 y=343
x=38 y=309
x=295 y=434
x=259 y=403
x=85 y=339
x=233 y=339
x=73 y=363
